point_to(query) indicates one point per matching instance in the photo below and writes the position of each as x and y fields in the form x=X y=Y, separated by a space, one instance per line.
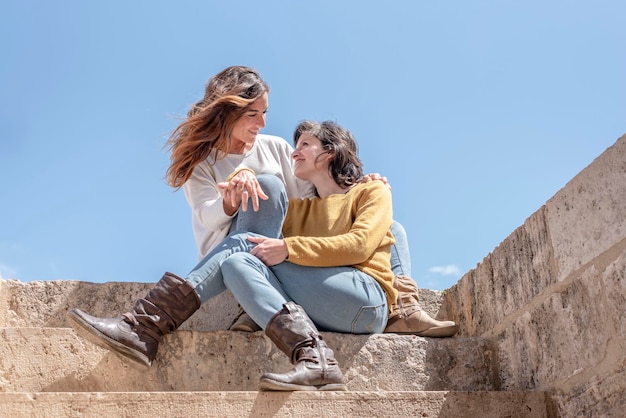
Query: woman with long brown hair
x=218 y=140
x=220 y=137
x=333 y=261
x=224 y=165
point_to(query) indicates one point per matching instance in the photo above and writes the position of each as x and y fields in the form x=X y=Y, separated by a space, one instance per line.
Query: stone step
x=276 y=404
x=45 y=303
x=39 y=359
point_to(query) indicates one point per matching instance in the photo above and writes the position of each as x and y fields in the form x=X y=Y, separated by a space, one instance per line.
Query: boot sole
x=94 y=336
x=273 y=385
x=434 y=332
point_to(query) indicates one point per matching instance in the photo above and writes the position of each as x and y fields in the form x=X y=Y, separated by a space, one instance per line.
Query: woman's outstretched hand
x=270 y=251
x=239 y=189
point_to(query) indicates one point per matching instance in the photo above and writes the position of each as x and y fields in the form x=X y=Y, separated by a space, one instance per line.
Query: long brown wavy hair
x=210 y=121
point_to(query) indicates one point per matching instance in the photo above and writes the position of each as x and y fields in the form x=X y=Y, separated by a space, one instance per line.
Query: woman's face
x=248 y=126
x=310 y=157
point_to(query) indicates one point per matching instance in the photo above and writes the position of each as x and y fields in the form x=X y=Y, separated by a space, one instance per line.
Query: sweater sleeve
x=205 y=200
x=372 y=217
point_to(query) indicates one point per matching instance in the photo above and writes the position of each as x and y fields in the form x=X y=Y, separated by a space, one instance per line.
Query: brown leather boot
x=137 y=333
x=294 y=334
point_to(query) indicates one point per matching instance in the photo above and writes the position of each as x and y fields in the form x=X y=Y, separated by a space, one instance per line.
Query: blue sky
x=477 y=112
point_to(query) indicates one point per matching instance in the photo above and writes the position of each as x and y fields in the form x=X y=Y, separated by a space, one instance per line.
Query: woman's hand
x=375 y=176
x=270 y=251
x=239 y=189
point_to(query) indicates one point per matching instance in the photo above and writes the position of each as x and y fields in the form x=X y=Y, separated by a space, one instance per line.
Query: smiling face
x=310 y=158
x=247 y=127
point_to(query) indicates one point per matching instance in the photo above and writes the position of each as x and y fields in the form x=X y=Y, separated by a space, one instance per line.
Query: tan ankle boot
x=407 y=316
x=420 y=323
x=243 y=322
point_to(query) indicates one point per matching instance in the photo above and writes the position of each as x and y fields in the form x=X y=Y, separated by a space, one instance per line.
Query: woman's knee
x=271 y=184
x=400 y=254
x=398 y=231
x=233 y=266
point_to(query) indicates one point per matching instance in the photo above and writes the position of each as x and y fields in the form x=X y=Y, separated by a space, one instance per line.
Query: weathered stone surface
x=56 y=360
x=45 y=303
x=588 y=216
x=552 y=296
x=577 y=330
x=285 y=404
x=511 y=276
x=5 y=296
x=601 y=397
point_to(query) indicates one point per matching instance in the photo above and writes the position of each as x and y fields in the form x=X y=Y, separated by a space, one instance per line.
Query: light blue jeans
x=206 y=277
x=400 y=254
x=339 y=299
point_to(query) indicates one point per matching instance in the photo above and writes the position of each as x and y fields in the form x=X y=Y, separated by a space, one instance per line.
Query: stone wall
x=552 y=296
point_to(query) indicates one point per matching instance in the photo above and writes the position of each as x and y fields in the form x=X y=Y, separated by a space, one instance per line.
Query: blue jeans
x=400 y=255
x=340 y=299
x=268 y=220
x=206 y=277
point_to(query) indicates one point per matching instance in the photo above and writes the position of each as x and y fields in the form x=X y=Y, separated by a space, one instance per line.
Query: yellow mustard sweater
x=351 y=229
